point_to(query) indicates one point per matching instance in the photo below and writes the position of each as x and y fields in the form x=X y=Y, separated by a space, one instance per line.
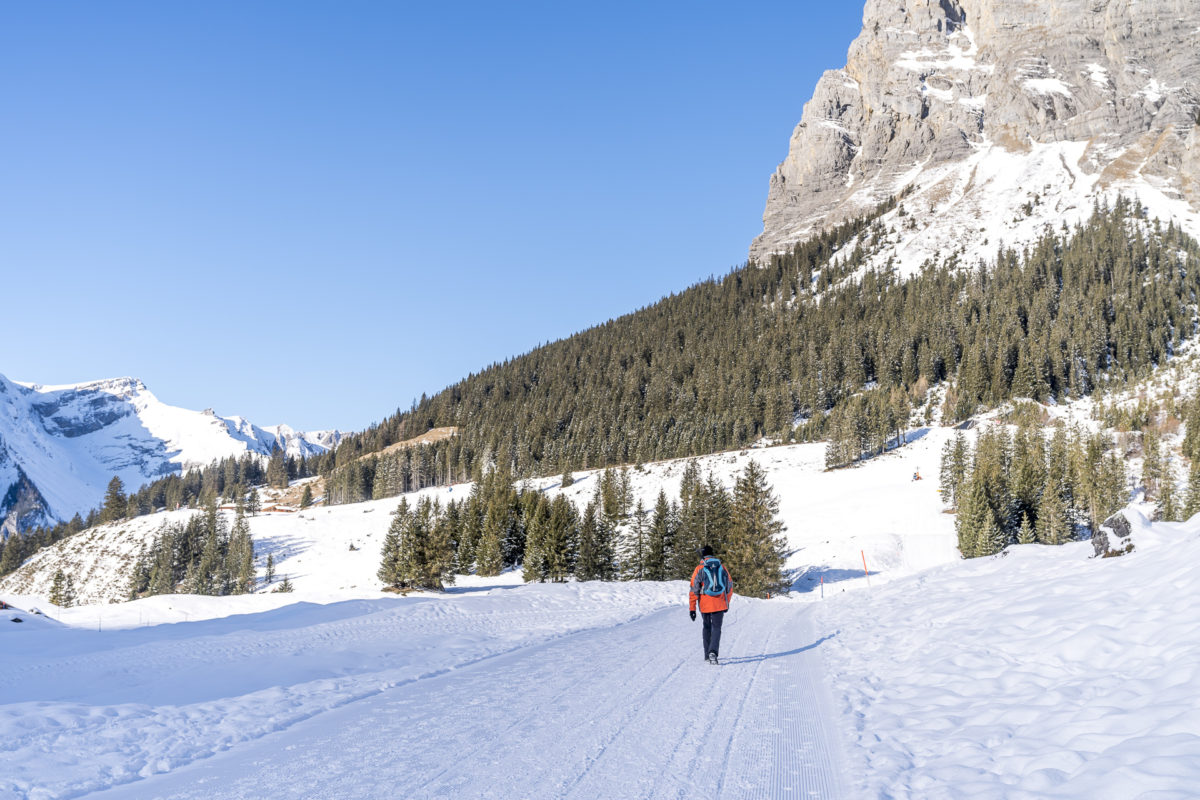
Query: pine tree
x=1152 y=467
x=1026 y=534
x=535 y=564
x=561 y=539
x=588 y=565
x=691 y=528
x=956 y=462
x=974 y=516
x=58 y=589
x=635 y=546
x=1168 y=509
x=756 y=549
x=306 y=497
x=1191 y=505
x=241 y=556
x=277 y=476
x=115 y=502
x=391 y=570
x=489 y=552
x=270 y=576
x=1054 y=525
x=661 y=540
x=13 y=555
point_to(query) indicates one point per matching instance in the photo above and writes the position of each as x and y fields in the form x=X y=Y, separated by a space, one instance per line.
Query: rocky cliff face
x=998 y=116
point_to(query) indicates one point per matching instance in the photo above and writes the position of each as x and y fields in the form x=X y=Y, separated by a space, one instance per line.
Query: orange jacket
x=709 y=604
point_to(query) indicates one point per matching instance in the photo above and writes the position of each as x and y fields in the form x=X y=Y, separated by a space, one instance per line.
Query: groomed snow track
x=624 y=710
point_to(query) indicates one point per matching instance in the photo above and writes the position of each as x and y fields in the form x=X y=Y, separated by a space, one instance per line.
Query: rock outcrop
x=998 y=110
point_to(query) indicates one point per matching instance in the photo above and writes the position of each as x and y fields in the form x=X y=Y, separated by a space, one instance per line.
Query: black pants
x=712 y=632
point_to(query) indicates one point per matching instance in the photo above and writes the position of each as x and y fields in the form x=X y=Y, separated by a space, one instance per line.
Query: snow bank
x=1042 y=672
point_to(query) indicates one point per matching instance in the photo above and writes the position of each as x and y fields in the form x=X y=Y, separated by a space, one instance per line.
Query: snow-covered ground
x=1042 y=672
x=573 y=690
x=834 y=520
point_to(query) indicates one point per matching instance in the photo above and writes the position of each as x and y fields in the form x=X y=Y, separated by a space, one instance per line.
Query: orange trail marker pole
x=822 y=587
x=866 y=571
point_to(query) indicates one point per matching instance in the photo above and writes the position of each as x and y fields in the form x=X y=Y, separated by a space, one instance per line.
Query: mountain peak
x=996 y=118
x=60 y=445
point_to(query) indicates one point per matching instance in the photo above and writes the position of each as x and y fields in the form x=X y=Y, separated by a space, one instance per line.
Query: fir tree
x=58 y=589
x=561 y=539
x=241 y=556
x=974 y=516
x=489 y=558
x=535 y=562
x=1054 y=525
x=660 y=546
x=115 y=502
x=1191 y=505
x=635 y=545
x=391 y=571
x=756 y=550
x=1152 y=466
x=1168 y=509
x=1026 y=535
x=588 y=566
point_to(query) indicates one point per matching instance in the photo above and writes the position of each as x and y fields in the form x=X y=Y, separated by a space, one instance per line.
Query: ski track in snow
x=624 y=710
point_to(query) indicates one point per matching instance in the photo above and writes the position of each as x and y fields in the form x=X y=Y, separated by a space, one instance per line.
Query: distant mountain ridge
x=61 y=445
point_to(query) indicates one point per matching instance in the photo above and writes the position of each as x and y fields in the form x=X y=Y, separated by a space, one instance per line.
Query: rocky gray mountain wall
x=929 y=82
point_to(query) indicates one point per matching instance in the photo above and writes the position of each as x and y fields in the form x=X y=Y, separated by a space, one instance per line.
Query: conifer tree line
x=730 y=360
x=1027 y=486
x=1173 y=503
x=199 y=556
x=499 y=526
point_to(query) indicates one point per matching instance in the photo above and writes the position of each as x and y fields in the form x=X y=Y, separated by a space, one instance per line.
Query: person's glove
x=692 y=614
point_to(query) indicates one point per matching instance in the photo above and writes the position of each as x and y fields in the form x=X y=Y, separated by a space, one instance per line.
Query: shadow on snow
x=765 y=656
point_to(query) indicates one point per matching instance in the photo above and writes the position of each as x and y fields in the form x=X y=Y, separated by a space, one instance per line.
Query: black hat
x=706 y=551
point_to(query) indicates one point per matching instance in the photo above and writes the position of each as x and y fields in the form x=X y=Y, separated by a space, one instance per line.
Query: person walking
x=712 y=588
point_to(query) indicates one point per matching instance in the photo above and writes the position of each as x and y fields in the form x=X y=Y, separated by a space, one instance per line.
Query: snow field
x=1040 y=673
x=577 y=690
x=154 y=699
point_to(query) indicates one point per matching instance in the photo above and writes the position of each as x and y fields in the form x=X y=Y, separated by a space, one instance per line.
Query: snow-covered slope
x=1043 y=672
x=61 y=445
x=901 y=528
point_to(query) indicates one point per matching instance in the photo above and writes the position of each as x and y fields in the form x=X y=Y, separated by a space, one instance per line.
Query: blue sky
x=313 y=212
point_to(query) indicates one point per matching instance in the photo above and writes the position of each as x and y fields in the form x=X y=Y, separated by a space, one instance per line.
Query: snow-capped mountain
x=996 y=119
x=61 y=445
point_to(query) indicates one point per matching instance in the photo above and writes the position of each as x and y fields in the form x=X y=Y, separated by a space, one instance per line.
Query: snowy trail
x=629 y=710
